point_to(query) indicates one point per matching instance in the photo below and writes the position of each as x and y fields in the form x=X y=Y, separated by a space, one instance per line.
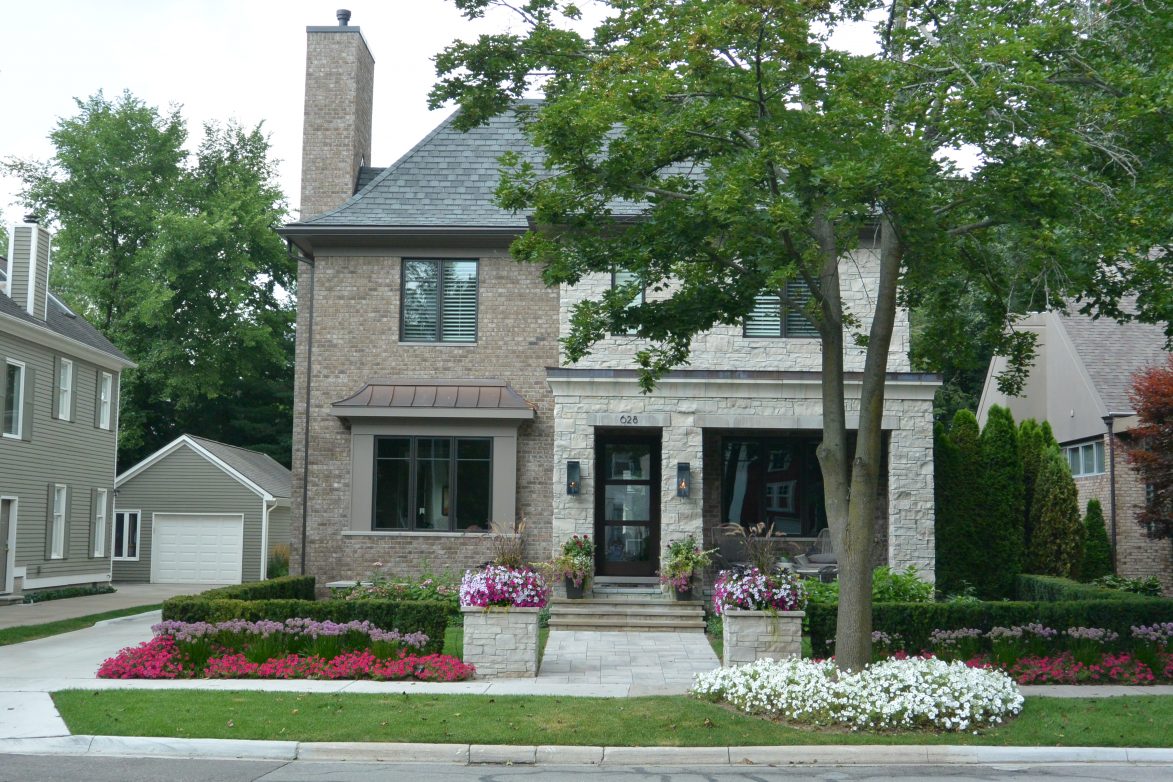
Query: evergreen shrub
x=1097 y=552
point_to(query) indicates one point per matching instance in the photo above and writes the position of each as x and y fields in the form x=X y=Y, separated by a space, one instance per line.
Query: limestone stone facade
x=756 y=635
x=501 y=642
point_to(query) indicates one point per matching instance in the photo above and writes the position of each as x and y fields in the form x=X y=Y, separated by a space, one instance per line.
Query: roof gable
x=254 y=470
x=1112 y=352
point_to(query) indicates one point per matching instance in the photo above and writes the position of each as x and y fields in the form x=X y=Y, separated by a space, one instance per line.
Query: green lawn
x=15 y=635
x=1141 y=721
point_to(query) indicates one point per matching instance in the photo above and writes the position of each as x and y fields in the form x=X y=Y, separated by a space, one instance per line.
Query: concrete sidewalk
x=127 y=596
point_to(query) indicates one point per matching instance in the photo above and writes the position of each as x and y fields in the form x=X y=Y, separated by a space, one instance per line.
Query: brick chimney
x=28 y=266
x=336 y=136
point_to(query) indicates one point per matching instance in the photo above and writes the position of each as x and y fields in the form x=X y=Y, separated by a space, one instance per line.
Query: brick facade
x=356 y=339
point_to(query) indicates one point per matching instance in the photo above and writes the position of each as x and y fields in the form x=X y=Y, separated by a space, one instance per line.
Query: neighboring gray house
x=432 y=400
x=59 y=394
x=199 y=512
x=1079 y=383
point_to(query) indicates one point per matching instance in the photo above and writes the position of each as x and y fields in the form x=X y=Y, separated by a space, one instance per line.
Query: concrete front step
x=605 y=614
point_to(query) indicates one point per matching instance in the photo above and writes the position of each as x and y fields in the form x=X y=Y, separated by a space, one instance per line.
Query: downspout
x=1109 y=420
x=309 y=379
x=265 y=508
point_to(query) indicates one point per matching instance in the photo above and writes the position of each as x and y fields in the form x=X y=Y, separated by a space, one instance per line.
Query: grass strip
x=16 y=635
x=674 y=721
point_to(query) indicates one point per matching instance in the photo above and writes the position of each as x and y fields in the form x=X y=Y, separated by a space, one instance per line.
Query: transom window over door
x=439 y=301
x=437 y=484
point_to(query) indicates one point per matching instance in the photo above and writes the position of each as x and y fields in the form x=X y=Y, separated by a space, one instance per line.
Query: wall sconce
x=573 y=477
x=683 y=478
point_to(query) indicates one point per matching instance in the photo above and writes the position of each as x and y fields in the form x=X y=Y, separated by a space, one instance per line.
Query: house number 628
x=629 y=419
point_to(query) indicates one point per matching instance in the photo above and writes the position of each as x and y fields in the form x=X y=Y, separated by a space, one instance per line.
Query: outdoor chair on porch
x=820 y=560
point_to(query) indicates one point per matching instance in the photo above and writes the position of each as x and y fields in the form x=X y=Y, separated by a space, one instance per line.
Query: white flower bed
x=903 y=694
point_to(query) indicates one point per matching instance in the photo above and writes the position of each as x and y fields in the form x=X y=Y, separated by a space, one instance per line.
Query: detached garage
x=199 y=512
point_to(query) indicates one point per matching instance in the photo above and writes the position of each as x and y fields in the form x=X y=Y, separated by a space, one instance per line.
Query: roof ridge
x=236 y=447
x=388 y=170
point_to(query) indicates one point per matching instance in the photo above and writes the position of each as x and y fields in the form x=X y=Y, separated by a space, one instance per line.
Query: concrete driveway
x=127 y=596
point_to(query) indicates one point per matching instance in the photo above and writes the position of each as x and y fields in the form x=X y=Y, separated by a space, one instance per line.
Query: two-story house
x=432 y=399
x=59 y=437
x=1080 y=383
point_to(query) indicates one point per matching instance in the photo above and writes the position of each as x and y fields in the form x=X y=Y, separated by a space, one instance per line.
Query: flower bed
x=916 y=693
x=294 y=649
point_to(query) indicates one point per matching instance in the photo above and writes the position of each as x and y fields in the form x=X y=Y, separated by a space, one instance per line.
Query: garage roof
x=255 y=470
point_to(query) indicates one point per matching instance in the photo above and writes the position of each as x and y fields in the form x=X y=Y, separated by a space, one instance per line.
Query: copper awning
x=410 y=398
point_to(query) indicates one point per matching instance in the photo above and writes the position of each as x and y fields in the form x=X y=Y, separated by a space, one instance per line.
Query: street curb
x=504 y=754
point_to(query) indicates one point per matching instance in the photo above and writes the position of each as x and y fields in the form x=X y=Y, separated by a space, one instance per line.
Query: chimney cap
x=343 y=17
x=31 y=218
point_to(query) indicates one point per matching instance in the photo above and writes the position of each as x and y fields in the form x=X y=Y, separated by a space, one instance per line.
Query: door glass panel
x=432 y=496
x=628 y=503
x=629 y=462
x=627 y=543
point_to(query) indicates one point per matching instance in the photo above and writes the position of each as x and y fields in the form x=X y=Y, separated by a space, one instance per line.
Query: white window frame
x=103 y=499
x=65 y=389
x=60 y=509
x=138 y=532
x=105 y=400
x=18 y=406
x=1083 y=453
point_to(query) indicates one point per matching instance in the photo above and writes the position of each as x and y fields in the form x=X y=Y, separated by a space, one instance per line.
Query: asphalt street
x=26 y=768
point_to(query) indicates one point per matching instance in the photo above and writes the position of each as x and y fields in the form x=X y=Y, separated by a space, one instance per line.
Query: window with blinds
x=439 y=301
x=771 y=319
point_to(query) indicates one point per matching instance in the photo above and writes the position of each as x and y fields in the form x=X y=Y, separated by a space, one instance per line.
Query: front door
x=627 y=504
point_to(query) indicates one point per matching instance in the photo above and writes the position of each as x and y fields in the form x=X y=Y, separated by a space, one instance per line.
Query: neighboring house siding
x=356 y=339
x=75 y=453
x=725 y=347
x=185 y=482
x=279 y=527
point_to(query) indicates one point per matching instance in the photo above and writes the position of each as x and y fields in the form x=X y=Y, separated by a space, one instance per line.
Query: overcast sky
x=218 y=60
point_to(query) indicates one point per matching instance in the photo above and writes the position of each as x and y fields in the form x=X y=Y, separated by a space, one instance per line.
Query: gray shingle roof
x=449 y=179
x=63 y=321
x=1113 y=351
x=257 y=467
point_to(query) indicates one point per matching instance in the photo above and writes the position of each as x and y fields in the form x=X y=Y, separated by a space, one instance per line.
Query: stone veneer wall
x=724 y=347
x=356 y=340
x=501 y=642
x=1137 y=555
x=754 y=635
x=684 y=410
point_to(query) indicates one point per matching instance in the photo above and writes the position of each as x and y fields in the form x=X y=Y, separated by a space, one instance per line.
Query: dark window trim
x=476 y=329
x=412 y=461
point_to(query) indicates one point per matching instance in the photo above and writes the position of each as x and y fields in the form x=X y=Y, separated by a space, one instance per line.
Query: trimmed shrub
x=1056 y=547
x=1000 y=485
x=416 y=616
x=915 y=622
x=1053 y=589
x=284 y=588
x=960 y=560
x=1097 y=552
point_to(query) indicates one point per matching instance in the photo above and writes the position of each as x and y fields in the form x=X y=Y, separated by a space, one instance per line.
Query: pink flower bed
x=159 y=658
x=1063 y=668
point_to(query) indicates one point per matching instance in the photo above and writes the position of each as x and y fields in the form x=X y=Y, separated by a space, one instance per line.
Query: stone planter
x=752 y=635
x=501 y=642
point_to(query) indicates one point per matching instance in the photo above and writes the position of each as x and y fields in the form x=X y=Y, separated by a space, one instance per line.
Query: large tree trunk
x=853 y=628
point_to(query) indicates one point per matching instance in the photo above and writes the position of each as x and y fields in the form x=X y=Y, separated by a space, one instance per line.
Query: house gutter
x=309 y=378
x=265 y=508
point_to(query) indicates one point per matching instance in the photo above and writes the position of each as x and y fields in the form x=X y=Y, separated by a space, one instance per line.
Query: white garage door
x=203 y=549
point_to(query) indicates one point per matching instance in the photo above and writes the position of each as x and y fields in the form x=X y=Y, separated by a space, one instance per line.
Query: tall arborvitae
x=1097 y=552
x=1030 y=446
x=1001 y=529
x=1056 y=547
x=959 y=556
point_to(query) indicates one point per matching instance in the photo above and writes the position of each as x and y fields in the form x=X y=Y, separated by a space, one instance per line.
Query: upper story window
x=439 y=301
x=13 y=399
x=105 y=399
x=771 y=318
x=622 y=279
x=1086 y=459
x=64 y=389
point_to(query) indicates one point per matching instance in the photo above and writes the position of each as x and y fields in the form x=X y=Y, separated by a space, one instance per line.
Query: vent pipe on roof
x=343 y=17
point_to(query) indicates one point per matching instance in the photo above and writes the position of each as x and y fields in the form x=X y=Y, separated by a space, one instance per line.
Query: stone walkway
x=644 y=663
